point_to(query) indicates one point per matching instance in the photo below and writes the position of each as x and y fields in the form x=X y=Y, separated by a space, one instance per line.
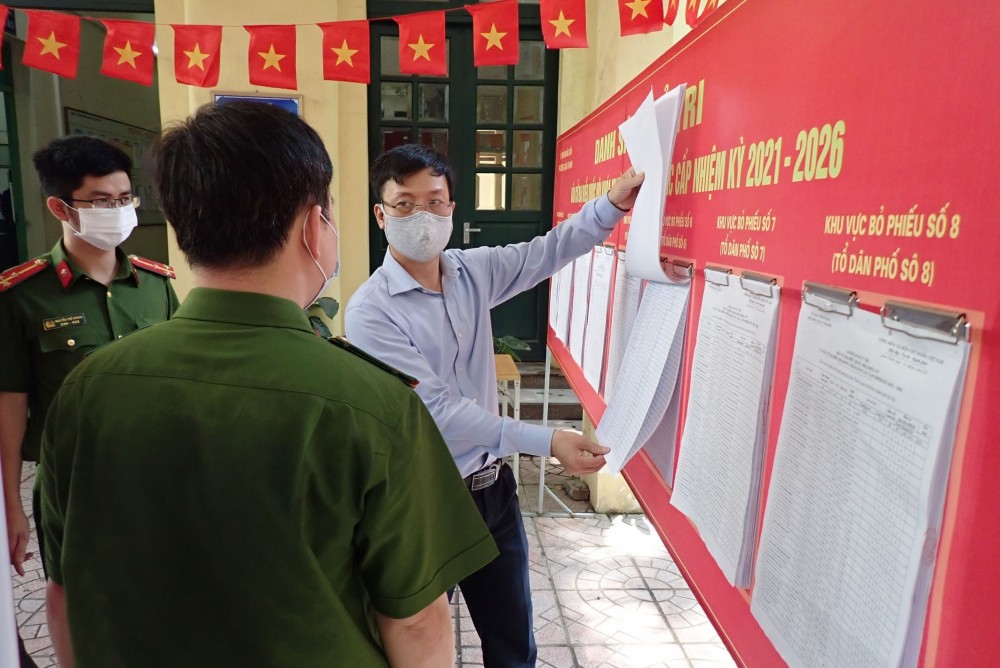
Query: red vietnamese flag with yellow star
x=672 y=6
x=421 y=43
x=271 y=56
x=691 y=14
x=640 y=16
x=128 y=51
x=564 y=23
x=4 y=10
x=494 y=33
x=53 y=42
x=197 y=52
x=346 y=54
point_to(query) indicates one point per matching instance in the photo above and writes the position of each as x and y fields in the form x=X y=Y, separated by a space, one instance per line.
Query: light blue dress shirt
x=445 y=338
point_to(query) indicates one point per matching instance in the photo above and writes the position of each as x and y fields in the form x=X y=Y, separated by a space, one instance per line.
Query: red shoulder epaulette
x=15 y=275
x=153 y=266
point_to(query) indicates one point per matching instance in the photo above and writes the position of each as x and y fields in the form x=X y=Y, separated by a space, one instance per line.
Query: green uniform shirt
x=47 y=327
x=229 y=489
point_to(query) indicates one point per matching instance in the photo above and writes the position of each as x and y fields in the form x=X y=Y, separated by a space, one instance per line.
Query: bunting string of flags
x=53 y=41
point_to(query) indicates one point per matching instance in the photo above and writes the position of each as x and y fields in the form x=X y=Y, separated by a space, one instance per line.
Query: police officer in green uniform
x=56 y=308
x=228 y=488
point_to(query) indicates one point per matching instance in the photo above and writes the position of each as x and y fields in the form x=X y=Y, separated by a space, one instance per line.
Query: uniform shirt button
x=475 y=401
x=119 y=336
x=461 y=368
x=71 y=342
x=460 y=335
x=109 y=294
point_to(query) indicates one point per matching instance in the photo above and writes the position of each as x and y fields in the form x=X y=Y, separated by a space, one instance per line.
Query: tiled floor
x=606 y=593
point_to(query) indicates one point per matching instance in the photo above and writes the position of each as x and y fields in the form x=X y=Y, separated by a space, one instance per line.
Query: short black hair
x=403 y=161
x=232 y=178
x=63 y=164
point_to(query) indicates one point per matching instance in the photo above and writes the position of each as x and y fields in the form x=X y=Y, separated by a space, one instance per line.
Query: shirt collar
x=243 y=308
x=399 y=280
x=68 y=271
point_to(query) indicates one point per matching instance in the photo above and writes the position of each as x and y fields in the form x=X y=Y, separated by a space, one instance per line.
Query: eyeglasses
x=438 y=207
x=110 y=202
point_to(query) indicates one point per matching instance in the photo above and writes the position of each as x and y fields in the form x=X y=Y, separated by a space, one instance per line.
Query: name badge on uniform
x=64 y=321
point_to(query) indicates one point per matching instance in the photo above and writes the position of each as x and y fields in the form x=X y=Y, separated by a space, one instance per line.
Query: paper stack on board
x=642 y=398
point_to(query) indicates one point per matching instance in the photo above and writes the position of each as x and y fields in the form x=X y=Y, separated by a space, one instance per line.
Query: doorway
x=497 y=127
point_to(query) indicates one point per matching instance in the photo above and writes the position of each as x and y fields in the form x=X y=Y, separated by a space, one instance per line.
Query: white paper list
x=564 y=292
x=624 y=309
x=578 y=308
x=648 y=377
x=854 y=505
x=649 y=137
x=597 y=315
x=721 y=453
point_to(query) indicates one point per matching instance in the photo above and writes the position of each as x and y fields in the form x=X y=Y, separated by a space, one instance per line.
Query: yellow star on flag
x=50 y=45
x=638 y=8
x=271 y=59
x=344 y=54
x=493 y=38
x=562 y=24
x=421 y=49
x=196 y=58
x=126 y=54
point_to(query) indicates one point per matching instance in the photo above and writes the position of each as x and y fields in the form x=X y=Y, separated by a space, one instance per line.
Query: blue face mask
x=327 y=280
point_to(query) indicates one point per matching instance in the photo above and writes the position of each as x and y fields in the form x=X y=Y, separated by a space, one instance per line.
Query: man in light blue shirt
x=426 y=311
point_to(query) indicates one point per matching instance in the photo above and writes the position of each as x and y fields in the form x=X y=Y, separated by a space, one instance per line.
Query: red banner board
x=849 y=143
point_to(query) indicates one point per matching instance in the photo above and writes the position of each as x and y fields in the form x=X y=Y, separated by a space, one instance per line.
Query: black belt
x=484 y=477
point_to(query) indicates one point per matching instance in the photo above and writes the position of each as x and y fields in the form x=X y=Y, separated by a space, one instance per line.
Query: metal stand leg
x=517 y=416
x=545 y=423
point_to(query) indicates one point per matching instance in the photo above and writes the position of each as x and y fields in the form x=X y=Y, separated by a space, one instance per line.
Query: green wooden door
x=497 y=126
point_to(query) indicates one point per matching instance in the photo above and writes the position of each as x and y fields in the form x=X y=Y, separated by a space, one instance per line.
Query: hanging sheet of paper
x=649 y=373
x=855 y=500
x=563 y=296
x=648 y=379
x=597 y=315
x=578 y=308
x=649 y=138
x=725 y=433
x=624 y=309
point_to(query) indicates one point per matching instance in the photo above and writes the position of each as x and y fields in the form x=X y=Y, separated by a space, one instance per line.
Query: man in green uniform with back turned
x=58 y=307
x=229 y=489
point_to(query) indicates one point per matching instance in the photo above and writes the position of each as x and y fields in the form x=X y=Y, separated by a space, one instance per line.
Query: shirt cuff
x=533 y=439
x=608 y=215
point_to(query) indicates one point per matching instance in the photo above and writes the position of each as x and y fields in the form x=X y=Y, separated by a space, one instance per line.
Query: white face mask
x=106 y=228
x=327 y=280
x=421 y=236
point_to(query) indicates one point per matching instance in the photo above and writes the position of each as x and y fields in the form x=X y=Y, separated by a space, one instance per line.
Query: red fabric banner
x=346 y=53
x=672 y=7
x=128 y=51
x=422 y=44
x=691 y=12
x=53 y=42
x=564 y=23
x=271 y=56
x=640 y=16
x=494 y=33
x=197 y=55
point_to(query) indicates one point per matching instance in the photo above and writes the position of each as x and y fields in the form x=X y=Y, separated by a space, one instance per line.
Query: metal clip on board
x=758 y=284
x=678 y=271
x=717 y=275
x=925 y=323
x=829 y=299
